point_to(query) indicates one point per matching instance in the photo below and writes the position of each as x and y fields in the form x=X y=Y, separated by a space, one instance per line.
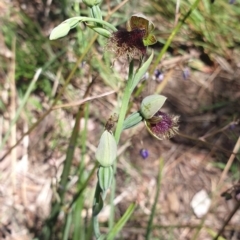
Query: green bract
x=151 y=104
x=105 y=176
x=132 y=120
x=107 y=149
x=103 y=32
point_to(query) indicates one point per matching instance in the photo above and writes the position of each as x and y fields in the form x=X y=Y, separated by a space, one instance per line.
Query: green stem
x=125 y=102
x=122 y=114
x=123 y=111
x=89 y=19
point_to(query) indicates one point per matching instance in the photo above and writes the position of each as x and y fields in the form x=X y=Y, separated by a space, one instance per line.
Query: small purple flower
x=232 y=126
x=186 y=73
x=232 y=1
x=158 y=75
x=162 y=125
x=144 y=153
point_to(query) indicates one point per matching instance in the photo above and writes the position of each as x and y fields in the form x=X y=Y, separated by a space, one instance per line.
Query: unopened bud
x=107 y=149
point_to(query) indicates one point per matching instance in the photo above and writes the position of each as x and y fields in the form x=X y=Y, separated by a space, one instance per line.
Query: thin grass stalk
x=78 y=225
x=56 y=206
x=79 y=229
x=12 y=114
x=95 y=216
x=122 y=221
x=84 y=185
x=150 y=221
x=66 y=229
x=80 y=59
x=20 y=108
x=174 y=32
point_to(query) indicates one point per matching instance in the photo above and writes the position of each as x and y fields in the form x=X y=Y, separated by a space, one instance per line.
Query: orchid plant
x=131 y=45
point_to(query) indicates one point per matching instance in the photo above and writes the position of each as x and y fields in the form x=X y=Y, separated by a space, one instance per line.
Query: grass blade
x=122 y=221
x=150 y=222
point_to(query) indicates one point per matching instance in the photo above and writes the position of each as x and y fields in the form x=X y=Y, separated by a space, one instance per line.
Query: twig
x=228 y=220
x=230 y=161
x=12 y=115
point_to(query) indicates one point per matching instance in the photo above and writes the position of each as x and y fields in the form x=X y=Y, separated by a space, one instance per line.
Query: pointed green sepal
x=151 y=104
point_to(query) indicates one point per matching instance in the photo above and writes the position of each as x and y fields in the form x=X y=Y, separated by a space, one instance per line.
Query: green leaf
x=97 y=207
x=141 y=71
x=122 y=221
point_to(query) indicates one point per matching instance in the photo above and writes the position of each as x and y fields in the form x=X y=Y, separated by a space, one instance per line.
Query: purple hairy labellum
x=127 y=43
x=162 y=125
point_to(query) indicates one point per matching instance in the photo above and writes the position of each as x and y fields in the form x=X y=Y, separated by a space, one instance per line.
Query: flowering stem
x=125 y=102
x=122 y=114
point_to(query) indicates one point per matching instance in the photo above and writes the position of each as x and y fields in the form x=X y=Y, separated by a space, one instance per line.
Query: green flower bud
x=91 y=3
x=107 y=149
x=151 y=104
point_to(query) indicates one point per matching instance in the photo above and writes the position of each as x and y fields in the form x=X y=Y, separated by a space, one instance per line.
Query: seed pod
x=107 y=149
